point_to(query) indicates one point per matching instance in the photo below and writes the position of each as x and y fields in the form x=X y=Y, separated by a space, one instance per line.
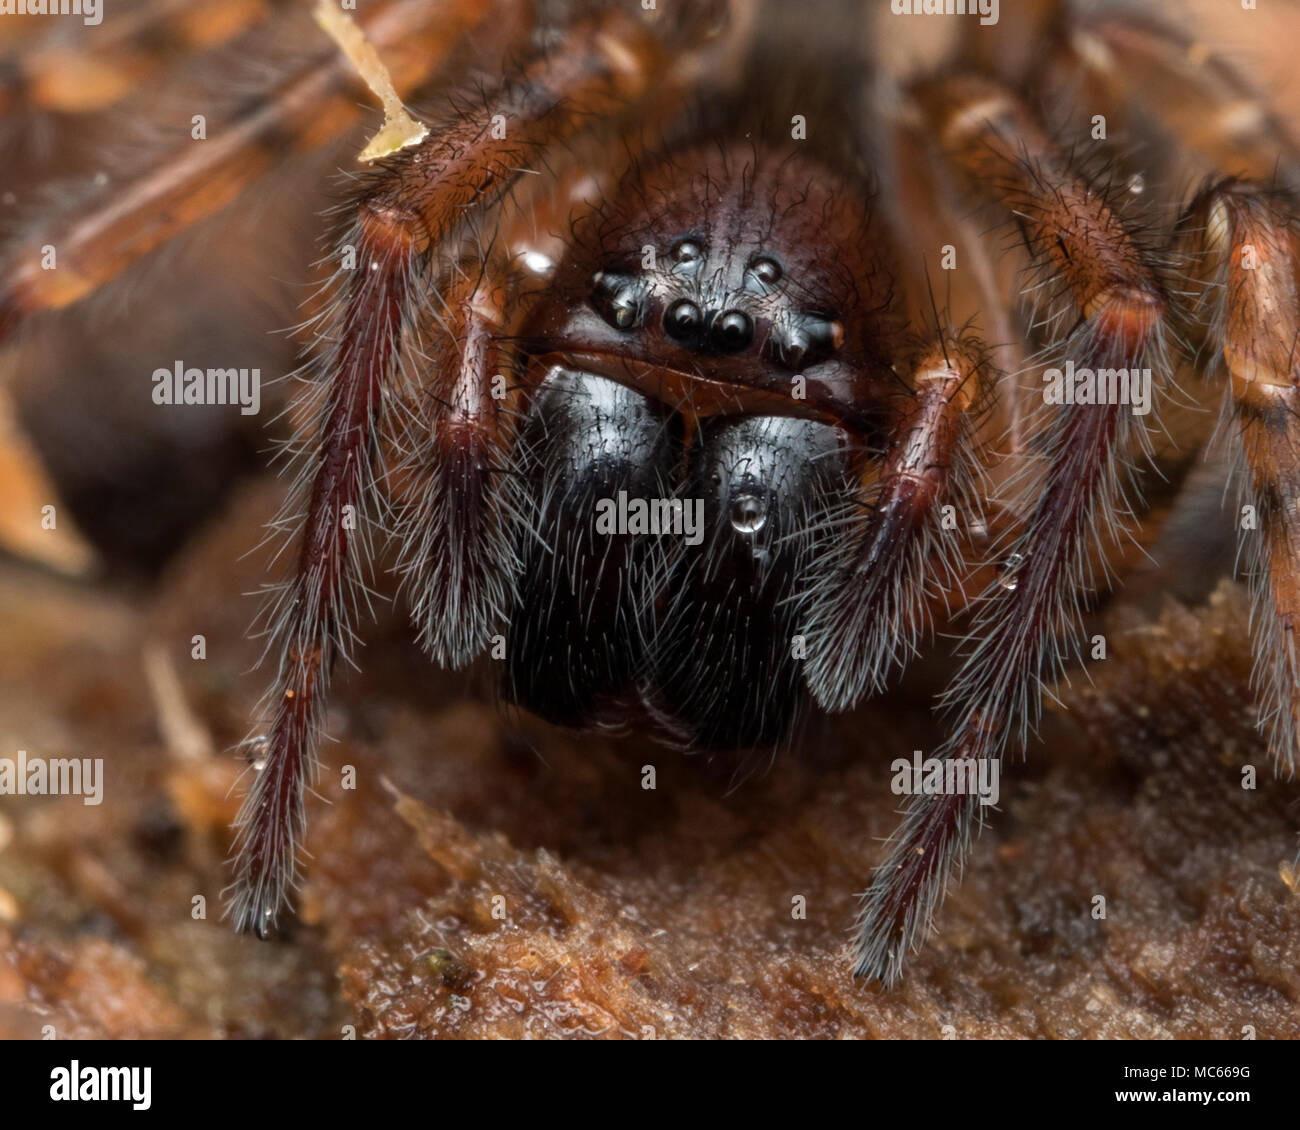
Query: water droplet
x=254 y=751
x=748 y=513
x=1137 y=184
x=1010 y=567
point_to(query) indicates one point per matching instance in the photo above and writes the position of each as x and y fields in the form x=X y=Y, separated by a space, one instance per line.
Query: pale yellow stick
x=399 y=129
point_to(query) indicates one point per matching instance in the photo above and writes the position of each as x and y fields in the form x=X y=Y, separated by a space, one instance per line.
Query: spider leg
x=310 y=617
x=1023 y=621
x=1241 y=244
x=451 y=479
x=1247 y=245
x=1209 y=106
x=876 y=594
x=96 y=240
x=57 y=68
x=415 y=201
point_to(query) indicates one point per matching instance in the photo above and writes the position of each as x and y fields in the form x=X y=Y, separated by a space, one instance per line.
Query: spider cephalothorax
x=640 y=358
x=738 y=267
x=699 y=344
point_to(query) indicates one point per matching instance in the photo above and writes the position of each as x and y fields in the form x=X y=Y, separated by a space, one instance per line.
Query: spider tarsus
x=898 y=908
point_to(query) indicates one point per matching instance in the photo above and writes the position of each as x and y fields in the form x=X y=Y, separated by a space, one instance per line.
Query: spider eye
x=687 y=252
x=812 y=338
x=683 y=320
x=616 y=299
x=825 y=332
x=732 y=331
x=765 y=271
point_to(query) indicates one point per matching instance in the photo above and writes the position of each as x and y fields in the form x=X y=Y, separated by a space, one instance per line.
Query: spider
x=696 y=365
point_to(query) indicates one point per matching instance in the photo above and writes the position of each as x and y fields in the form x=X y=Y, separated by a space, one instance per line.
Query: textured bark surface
x=627 y=912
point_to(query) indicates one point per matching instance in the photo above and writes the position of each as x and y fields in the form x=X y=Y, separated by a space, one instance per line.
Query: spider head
x=718 y=278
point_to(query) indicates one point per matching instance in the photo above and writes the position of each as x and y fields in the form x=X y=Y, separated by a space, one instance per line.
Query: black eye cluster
x=724 y=331
x=620 y=298
x=727 y=331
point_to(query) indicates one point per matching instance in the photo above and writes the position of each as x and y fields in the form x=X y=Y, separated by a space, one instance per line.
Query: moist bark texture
x=489 y=876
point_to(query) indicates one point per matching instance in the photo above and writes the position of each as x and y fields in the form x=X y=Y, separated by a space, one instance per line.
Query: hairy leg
x=96 y=239
x=1246 y=240
x=1239 y=236
x=874 y=596
x=413 y=204
x=1024 y=623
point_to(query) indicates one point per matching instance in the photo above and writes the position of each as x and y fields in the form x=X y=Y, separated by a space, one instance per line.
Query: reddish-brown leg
x=416 y=200
x=873 y=601
x=189 y=180
x=1239 y=239
x=1246 y=239
x=1024 y=624
x=310 y=619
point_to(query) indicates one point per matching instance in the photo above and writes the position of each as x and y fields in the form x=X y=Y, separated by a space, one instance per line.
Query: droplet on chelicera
x=748 y=513
x=254 y=750
x=1010 y=568
x=1137 y=184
